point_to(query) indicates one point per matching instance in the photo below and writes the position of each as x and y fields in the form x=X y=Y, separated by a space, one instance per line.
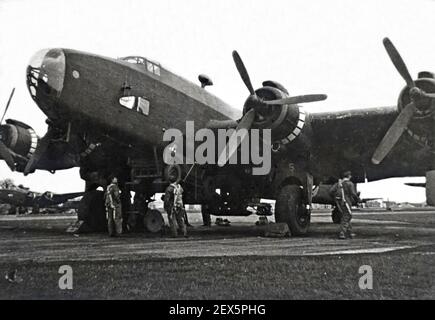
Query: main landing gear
x=92 y=212
x=290 y=209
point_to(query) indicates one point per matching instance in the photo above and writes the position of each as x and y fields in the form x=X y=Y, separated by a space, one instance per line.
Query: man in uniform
x=344 y=193
x=206 y=218
x=174 y=206
x=113 y=208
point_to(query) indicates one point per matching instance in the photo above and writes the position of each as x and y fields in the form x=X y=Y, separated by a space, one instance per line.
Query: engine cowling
x=21 y=141
x=48 y=195
x=30 y=195
x=420 y=127
x=285 y=121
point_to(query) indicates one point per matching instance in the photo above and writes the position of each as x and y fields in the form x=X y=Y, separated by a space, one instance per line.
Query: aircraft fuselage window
x=148 y=65
x=138 y=104
x=128 y=102
x=151 y=67
x=143 y=106
x=157 y=70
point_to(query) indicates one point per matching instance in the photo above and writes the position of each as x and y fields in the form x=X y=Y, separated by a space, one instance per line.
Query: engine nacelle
x=30 y=195
x=48 y=195
x=285 y=121
x=20 y=139
x=420 y=128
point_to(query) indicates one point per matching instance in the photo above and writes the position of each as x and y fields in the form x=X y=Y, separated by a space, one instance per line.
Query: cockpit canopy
x=146 y=64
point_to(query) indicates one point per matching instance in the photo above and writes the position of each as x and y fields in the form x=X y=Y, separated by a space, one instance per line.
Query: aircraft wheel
x=153 y=221
x=290 y=209
x=22 y=210
x=12 y=210
x=35 y=209
x=336 y=216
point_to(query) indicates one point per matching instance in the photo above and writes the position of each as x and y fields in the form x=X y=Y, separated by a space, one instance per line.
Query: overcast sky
x=333 y=47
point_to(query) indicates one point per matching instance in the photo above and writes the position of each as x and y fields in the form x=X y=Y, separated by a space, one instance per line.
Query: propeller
x=221 y=124
x=404 y=118
x=297 y=99
x=7 y=105
x=257 y=104
x=41 y=148
x=245 y=123
x=4 y=150
x=394 y=133
x=6 y=156
x=398 y=62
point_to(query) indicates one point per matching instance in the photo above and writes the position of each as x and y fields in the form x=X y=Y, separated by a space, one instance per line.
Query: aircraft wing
x=416 y=184
x=346 y=140
x=48 y=198
x=365 y=200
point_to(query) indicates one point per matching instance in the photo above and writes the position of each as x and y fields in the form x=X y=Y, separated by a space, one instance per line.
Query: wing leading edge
x=346 y=140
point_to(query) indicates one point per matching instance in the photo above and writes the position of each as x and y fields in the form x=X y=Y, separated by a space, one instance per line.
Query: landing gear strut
x=290 y=209
x=92 y=212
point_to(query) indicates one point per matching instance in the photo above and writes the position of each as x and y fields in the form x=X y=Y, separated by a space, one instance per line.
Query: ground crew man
x=345 y=194
x=206 y=218
x=113 y=208
x=174 y=206
x=186 y=219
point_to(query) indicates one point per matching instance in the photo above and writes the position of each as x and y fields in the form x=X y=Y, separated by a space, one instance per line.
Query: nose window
x=136 y=103
x=46 y=69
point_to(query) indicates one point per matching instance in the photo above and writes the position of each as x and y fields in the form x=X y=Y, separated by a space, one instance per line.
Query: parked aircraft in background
x=22 y=198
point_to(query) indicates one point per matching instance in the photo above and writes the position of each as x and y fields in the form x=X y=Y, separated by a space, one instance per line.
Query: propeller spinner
x=257 y=105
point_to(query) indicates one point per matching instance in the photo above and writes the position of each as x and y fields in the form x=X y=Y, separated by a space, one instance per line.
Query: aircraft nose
x=45 y=76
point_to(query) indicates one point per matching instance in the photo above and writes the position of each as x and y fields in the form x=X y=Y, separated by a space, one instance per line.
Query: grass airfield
x=223 y=262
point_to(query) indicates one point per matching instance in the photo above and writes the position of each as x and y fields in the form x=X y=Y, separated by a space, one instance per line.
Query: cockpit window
x=157 y=70
x=135 y=103
x=148 y=65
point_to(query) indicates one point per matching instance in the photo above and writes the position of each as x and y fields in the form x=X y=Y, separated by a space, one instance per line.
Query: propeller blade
x=243 y=72
x=6 y=156
x=41 y=148
x=221 y=124
x=398 y=62
x=234 y=143
x=7 y=105
x=428 y=95
x=298 y=99
x=393 y=134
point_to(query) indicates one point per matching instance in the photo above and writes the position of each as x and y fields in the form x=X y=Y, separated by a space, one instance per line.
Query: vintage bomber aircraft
x=21 y=198
x=108 y=116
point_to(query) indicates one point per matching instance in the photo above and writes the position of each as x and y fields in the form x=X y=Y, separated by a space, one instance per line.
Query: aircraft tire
x=290 y=209
x=35 y=209
x=12 y=210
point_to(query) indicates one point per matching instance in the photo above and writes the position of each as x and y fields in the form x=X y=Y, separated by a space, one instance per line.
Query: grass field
x=399 y=275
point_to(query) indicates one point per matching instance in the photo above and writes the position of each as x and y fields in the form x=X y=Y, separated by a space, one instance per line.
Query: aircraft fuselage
x=87 y=90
